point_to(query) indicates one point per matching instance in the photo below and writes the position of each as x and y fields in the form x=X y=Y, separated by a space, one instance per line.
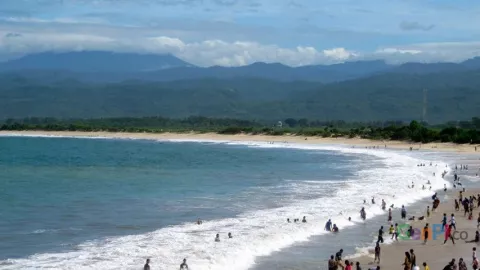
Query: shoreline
x=192 y=136
x=388 y=251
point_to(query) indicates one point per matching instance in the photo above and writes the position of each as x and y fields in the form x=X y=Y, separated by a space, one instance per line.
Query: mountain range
x=47 y=85
x=98 y=66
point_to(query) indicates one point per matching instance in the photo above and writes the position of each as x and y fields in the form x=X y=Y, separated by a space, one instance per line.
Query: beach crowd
x=448 y=229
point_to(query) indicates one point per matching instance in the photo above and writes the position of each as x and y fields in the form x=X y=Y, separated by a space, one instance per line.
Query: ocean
x=97 y=203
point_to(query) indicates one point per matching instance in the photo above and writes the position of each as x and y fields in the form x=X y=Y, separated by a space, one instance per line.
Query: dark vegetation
x=457 y=132
x=451 y=96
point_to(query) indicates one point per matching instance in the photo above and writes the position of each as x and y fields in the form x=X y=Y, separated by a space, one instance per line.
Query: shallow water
x=109 y=204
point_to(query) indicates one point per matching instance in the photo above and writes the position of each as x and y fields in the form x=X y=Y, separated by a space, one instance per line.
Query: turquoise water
x=109 y=204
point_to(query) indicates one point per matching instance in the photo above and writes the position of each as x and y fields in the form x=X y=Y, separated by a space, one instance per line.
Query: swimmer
x=288 y=220
x=384 y=205
x=413 y=185
x=230 y=235
x=445 y=187
x=349 y=219
x=335 y=228
x=373 y=200
x=423 y=187
x=199 y=222
x=304 y=220
x=217 y=238
x=428 y=182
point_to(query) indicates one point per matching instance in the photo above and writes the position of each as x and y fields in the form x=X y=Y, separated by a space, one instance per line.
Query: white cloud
x=220 y=52
x=430 y=52
x=203 y=53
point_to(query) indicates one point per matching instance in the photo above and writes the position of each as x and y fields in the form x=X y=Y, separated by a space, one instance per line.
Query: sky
x=241 y=32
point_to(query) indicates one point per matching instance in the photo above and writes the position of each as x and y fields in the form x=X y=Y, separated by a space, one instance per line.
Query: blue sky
x=238 y=32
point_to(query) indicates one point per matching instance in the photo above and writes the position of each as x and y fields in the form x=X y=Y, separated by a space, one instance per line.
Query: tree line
x=456 y=132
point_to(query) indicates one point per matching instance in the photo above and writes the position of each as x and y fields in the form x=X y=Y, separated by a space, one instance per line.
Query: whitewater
x=258 y=232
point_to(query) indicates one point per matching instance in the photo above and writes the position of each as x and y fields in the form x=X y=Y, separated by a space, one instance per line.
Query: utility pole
x=424 y=114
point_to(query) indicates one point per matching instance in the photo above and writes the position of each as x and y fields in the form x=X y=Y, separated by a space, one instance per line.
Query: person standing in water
x=380 y=235
x=384 y=205
x=184 y=264
x=328 y=225
x=147 y=265
x=363 y=214
x=403 y=212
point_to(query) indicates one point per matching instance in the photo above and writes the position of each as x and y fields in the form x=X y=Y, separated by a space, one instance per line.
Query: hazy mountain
x=95 y=66
x=94 y=61
x=426 y=68
x=388 y=96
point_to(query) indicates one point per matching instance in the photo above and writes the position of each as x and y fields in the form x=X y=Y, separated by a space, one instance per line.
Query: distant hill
x=94 y=61
x=386 y=96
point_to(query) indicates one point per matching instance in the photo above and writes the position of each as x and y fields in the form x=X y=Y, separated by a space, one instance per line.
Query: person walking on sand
x=413 y=258
x=462 y=265
x=377 y=253
x=348 y=266
x=444 y=221
x=428 y=211
x=332 y=264
x=475 y=263
x=448 y=234
x=454 y=264
x=407 y=262
x=478 y=220
x=452 y=222
x=425 y=233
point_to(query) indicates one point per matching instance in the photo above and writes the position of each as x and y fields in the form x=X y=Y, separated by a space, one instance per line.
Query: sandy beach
x=434 y=253
x=354 y=142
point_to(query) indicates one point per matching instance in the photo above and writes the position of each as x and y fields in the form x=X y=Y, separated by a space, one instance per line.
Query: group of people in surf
x=217 y=236
x=183 y=265
x=295 y=220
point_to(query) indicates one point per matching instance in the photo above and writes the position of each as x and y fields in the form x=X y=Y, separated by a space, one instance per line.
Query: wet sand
x=354 y=142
